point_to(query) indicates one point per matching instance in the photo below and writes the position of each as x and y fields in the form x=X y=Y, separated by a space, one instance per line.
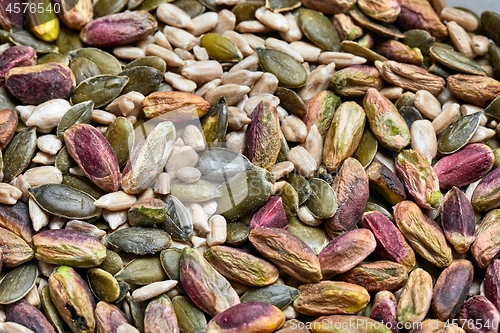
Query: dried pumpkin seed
x=139 y=240
x=289 y=71
x=100 y=89
x=458 y=134
x=19 y=153
x=80 y=113
x=18 y=282
x=319 y=29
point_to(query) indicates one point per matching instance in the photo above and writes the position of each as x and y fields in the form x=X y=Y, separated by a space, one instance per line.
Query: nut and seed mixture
x=243 y=166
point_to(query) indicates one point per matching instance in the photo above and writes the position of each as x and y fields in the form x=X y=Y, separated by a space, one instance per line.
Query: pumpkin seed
x=121 y=137
x=124 y=290
x=178 y=223
x=290 y=200
x=322 y=202
x=494 y=54
x=108 y=7
x=143 y=79
x=64 y=161
x=490 y=22
x=139 y=240
x=18 y=282
x=142 y=271
x=493 y=109
x=359 y=50
x=212 y=5
x=80 y=113
x=192 y=7
x=279 y=6
x=367 y=148
x=50 y=311
x=23 y=37
x=18 y=153
x=64 y=201
x=170 y=259
x=136 y=312
x=383 y=29
x=83 y=69
x=199 y=191
x=301 y=186
x=83 y=184
x=287 y=70
x=6 y=101
x=106 y=62
x=220 y=48
x=53 y=57
x=455 y=60
x=410 y=114
x=100 y=89
x=314 y=237
x=291 y=101
x=214 y=123
x=151 y=61
x=68 y=40
x=420 y=39
x=458 y=134
x=278 y=295
x=113 y=263
x=245 y=11
x=103 y=285
x=237 y=233
x=190 y=318
x=319 y=29
x=150 y=5
x=217 y=163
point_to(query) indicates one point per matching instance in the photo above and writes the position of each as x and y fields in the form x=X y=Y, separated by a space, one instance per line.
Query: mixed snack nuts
x=247 y=166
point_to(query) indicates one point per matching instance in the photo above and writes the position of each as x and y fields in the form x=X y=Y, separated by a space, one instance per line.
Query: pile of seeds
x=248 y=166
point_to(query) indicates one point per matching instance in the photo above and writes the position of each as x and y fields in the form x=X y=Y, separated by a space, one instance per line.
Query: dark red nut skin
x=15 y=56
x=465 y=166
x=479 y=315
x=25 y=314
x=384 y=309
x=492 y=283
x=271 y=215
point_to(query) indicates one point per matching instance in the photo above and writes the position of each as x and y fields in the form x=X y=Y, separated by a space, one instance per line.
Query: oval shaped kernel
x=103 y=285
x=100 y=89
x=319 y=29
x=17 y=283
x=18 y=154
x=220 y=48
x=105 y=61
x=289 y=71
x=139 y=240
x=322 y=202
x=458 y=134
x=278 y=295
x=80 y=113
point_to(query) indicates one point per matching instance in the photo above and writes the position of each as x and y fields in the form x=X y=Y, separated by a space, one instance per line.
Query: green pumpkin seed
x=121 y=136
x=1 y=166
x=108 y=7
x=214 y=123
x=64 y=161
x=245 y=11
x=18 y=282
x=315 y=237
x=220 y=48
x=367 y=148
x=494 y=53
x=19 y=153
x=83 y=69
x=490 y=22
x=291 y=101
x=139 y=240
x=237 y=233
x=290 y=200
x=124 y=290
x=455 y=60
x=143 y=79
x=178 y=223
x=322 y=202
x=103 y=285
x=407 y=99
x=68 y=40
x=80 y=113
x=301 y=186
x=24 y=37
x=150 y=61
x=113 y=263
x=212 y=5
x=6 y=101
x=65 y=201
x=192 y=7
x=289 y=71
x=199 y=191
x=106 y=62
x=284 y=150
x=279 y=6
x=217 y=163
x=100 y=89
x=50 y=311
x=383 y=29
x=244 y=193
x=458 y=134
x=319 y=29
x=420 y=39
x=493 y=109
x=359 y=50
x=278 y=295
x=136 y=312
x=410 y=114
x=170 y=259
x=142 y=271
x=190 y=318
x=150 y=5
x=83 y=184
x=371 y=206
x=53 y=57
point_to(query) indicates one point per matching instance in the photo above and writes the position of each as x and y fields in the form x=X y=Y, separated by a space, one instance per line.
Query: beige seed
x=152 y=290
x=250 y=63
x=47 y=115
x=146 y=194
x=294 y=32
x=461 y=40
x=450 y=114
x=232 y=92
x=280 y=170
x=162 y=40
x=227 y=22
x=237 y=118
x=273 y=20
x=169 y=56
x=126 y=328
x=253 y=27
x=180 y=38
x=184 y=54
x=470 y=189
x=294 y=129
x=204 y=23
x=467 y=109
x=188 y=174
x=11 y=327
x=277 y=186
x=341 y=59
x=308 y=51
x=305 y=164
x=385 y=160
x=116 y=201
x=85 y=227
x=9 y=194
x=209 y=206
x=179 y=82
x=43 y=175
x=318 y=80
x=103 y=117
x=464 y=19
x=202 y=91
x=307 y=218
x=181 y=157
x=49 y=143
x=314 y=144
x=33 y=297
x=392 y=93
x=20 y=183
x=25 y=111
x=180 y=245
x=482 y=133
x=193 y=137
x=115 y=219
x=282 y=113
x=427 y=104
x=277 y=44
x=218 y=230
x=267 y=84
x=39 y=217
x=445 y=96
x=235 y=140
x=127 y=105
x=198 y=217
x=143 y=43
x=200 y=53
x=480 y=44
x=198 y=242
x=174 y=16
x=129 y=52
x=254 y=41
x=243 y=77
x=423 y=138
x=240 y=42
x=252 y=102
x=44 y=158
x=56 y=222
x=162 y=184
x=290 y=312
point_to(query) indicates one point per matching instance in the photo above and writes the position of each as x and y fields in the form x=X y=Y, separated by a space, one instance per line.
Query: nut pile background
x=248 y=166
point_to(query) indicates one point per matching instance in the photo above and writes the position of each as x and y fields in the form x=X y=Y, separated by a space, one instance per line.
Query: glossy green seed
x=18 y=282
x=142 y=270
x=100 y=89
x=319 y=29
x=322 y=202
x=80 y=113
x=458 y=134
x=220 y=48
x=289 y=71
x=19 y=153
x=103 y=285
